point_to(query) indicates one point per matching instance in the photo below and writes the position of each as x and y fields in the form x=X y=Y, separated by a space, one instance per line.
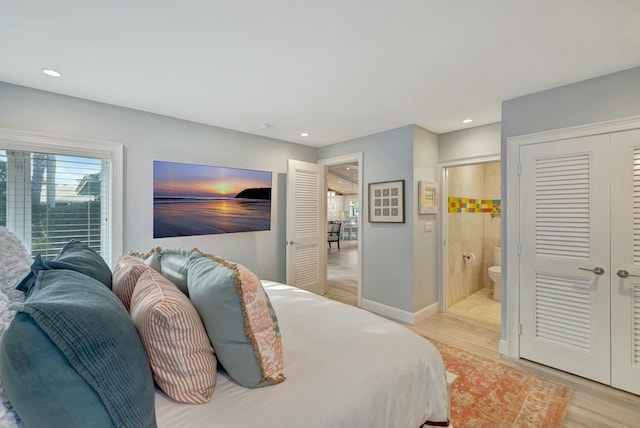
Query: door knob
x=625 y=274
x=597 y=270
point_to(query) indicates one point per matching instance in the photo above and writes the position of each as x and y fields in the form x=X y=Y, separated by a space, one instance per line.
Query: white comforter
x=345 y=367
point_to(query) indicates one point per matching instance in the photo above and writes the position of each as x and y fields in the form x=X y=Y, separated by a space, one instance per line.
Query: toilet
x=495 y=273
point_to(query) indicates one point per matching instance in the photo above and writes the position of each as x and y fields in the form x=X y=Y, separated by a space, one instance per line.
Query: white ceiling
x=343 y=178
x=337 y=69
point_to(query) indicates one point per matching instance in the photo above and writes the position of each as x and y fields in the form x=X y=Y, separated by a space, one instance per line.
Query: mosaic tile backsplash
x=470 y=205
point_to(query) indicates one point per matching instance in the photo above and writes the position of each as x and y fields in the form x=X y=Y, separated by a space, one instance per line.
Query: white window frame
x=22 y=141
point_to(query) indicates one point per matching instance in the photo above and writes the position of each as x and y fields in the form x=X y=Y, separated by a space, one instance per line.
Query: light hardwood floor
x=592 y=404
x=342 y=275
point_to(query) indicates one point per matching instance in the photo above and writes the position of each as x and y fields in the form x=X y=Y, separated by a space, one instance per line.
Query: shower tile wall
x=477 y=231
x=491 y=224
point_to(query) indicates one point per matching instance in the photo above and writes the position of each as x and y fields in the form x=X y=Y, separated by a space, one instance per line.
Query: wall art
x=193 y=199
x=386 y=202
x=427 y=197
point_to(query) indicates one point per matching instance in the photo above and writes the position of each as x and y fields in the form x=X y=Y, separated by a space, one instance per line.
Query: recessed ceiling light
x=467 y=121
x=51 y=73
x=264 y=125
x=304 y=134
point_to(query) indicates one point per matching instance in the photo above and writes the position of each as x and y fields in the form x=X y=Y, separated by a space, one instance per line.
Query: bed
x=344 y=367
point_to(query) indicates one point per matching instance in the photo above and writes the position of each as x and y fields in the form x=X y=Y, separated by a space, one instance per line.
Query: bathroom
x=473 y=279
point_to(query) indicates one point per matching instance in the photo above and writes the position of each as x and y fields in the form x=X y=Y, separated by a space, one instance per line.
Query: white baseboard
x=425 y=313
x=399 y=314
x=387 y=311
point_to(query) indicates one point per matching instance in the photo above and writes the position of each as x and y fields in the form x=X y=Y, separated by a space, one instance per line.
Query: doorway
x=344 y=182
x=472 y=212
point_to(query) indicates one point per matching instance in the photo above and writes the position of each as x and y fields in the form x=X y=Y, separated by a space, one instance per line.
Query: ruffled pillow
x=239 y=320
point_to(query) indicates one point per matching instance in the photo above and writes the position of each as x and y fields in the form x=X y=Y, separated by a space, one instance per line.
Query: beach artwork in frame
x=191 y=199
x=427 y=200
x=386 y=202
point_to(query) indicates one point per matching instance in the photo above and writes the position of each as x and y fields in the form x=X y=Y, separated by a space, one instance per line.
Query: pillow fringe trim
x=146 y=255
x=247 y=324
x=238 y=284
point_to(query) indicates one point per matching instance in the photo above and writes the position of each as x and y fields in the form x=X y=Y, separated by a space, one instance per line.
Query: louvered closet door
x=625 y=255
x=564 y=229
x=306 y=229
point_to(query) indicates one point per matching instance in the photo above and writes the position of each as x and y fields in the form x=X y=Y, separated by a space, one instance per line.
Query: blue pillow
x=43 y=388
x=72 y=357
x=76 y=256
x=239 y=319
x=174 y=267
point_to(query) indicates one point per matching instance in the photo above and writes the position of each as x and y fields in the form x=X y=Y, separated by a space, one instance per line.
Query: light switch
x=428 y=227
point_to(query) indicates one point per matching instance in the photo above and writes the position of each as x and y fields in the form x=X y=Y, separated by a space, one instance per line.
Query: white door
x=306 y=229
x=564 y=262
x=625 y=261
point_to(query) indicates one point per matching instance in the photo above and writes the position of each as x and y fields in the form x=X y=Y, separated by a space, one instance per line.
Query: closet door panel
x=625 y=261
x=564 y=234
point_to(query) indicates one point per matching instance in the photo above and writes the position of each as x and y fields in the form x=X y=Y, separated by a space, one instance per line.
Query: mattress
x=345 y=368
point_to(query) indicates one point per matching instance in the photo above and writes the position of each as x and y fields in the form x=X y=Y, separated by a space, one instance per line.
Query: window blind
x=47 y=199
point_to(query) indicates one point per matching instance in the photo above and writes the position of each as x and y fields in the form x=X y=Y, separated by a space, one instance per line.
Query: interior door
x=625 y=261
x=306 y=228
x=564 y=261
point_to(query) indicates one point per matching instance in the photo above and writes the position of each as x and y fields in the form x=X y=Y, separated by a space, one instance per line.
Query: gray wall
x=612 y=96
x=147 y=137
x=389 y=273
x=603 y=98
x=470 y=143
x=425 y=246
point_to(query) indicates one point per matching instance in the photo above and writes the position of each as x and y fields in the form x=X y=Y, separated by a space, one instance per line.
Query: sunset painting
x=202 y=200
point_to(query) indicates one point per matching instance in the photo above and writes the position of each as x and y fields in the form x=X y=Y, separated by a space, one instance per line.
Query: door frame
x=510 y=342
x=337 y=160
x=444 y=210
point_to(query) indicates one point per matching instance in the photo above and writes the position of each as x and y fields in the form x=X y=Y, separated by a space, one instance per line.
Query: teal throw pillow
x=174 y=267
x=44 y=390
x=76 y=256
x=239 y=320
x=71 y=346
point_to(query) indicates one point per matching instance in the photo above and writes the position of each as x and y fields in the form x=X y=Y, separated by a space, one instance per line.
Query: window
x=53 y=190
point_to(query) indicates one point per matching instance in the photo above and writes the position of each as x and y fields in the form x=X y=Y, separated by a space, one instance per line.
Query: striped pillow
x=125 y=275
x=182 y=359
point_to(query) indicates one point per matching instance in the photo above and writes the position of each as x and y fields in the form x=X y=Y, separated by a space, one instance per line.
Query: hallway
x=342 y=273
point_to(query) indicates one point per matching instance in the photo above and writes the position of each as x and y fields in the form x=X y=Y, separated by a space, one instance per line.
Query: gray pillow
x=70 y=337
x=76 y=256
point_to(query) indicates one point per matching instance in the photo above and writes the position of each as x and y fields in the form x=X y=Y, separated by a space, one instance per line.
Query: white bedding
x=345 y=367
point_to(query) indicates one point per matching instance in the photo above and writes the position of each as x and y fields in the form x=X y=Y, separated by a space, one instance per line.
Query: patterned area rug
x=489 y=394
